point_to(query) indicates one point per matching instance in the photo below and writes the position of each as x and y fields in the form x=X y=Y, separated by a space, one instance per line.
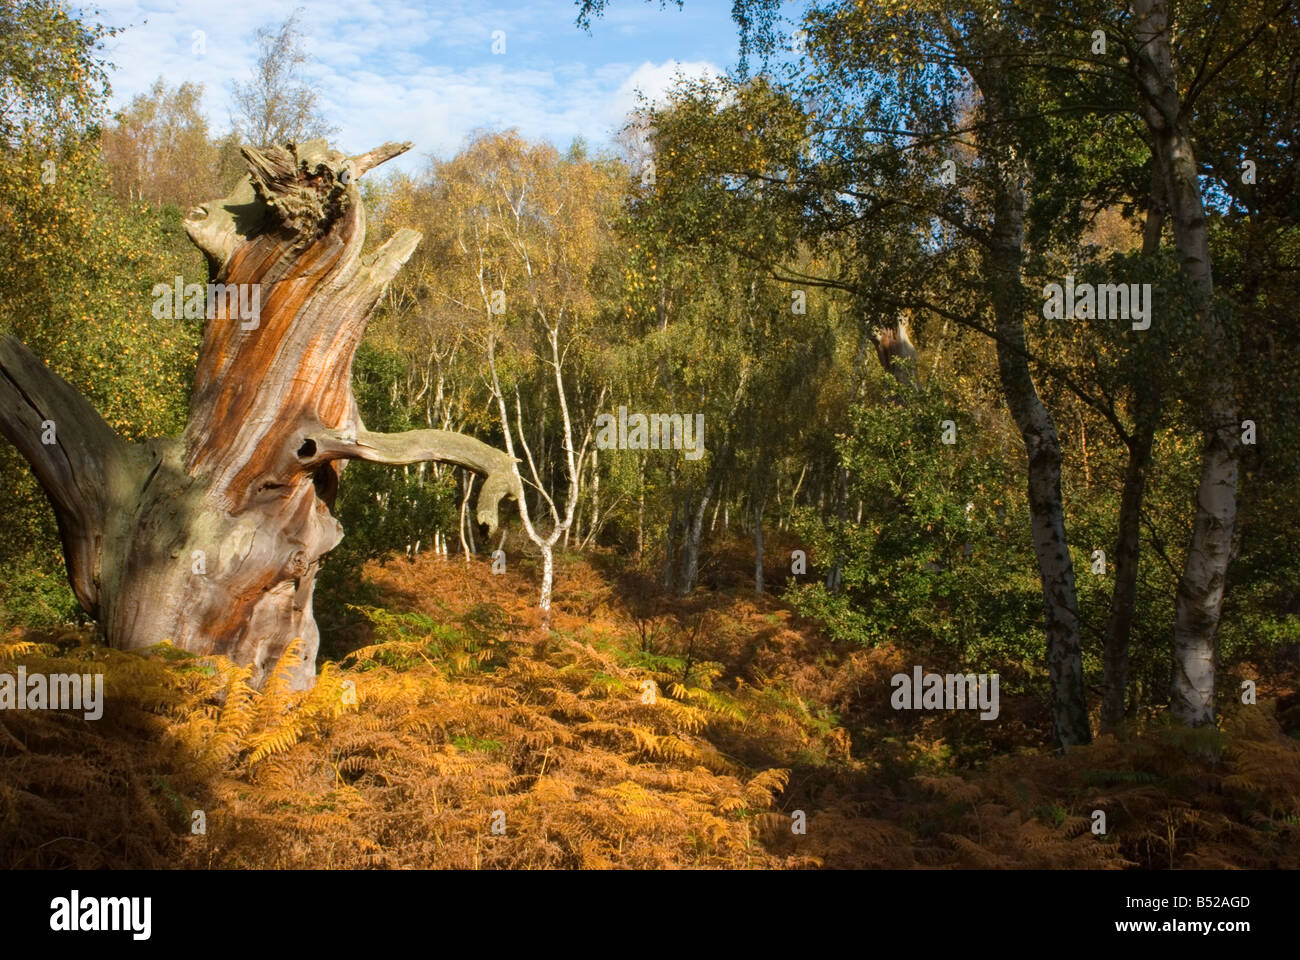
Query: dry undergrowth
x=457 y=710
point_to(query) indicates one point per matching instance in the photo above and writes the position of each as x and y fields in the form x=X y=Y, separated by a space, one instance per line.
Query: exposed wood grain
x=212 y=541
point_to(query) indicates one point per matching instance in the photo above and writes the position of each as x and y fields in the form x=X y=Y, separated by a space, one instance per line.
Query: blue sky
x=425 y=71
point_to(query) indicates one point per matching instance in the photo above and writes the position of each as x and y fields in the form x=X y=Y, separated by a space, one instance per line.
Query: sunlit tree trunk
x=213 y=540
x=692 y=534
x=1200 y=592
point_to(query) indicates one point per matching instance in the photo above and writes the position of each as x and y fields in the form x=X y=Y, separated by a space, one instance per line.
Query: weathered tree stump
x=213 y=540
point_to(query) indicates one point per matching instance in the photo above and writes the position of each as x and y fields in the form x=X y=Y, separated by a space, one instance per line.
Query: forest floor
x=452 y=728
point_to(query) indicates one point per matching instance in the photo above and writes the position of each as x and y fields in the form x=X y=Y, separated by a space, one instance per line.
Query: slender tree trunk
x=548 y=576
x=1199 y=601
x=794 y=497
x=213 y=540
x=1043 y=448
x=640 y=509
x=692 y=534
x=693 y=529
x=835 y=575
x=466 y=527
x=1119 y=624
x=758 y=545
x=594 y=524
x=543 y=544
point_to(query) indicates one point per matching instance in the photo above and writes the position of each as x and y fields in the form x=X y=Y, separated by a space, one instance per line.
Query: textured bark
x=213 y=540
x=76 y=470
x=1003 y=264
x=692 y=534
x=1200 y=591
x=1043 y=448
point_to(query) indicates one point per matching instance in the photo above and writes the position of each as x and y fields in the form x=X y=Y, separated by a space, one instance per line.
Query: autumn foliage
x=465 y=711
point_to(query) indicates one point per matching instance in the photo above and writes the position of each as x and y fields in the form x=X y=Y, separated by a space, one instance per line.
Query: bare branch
x=416 y=446
x=364 y=162
x=75 y=455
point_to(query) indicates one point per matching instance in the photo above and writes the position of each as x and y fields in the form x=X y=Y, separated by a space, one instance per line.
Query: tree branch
x=415 y=446
x=76 y=467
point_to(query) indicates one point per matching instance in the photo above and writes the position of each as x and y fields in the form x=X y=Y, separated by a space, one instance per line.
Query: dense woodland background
x=760 y=250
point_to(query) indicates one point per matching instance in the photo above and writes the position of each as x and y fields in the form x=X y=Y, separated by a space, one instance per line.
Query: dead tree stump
x=213 y=540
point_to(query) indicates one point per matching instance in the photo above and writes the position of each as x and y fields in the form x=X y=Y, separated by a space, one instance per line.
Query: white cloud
x=398 y=70
x=654 y=81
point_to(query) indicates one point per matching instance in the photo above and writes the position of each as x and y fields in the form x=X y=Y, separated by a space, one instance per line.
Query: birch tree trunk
x=594 y=524
x=640 y=507
x=1200 y=592
x=213 y=540
x=1043 y=448
x=693 y=533
x=561 y=523
x=466 y=526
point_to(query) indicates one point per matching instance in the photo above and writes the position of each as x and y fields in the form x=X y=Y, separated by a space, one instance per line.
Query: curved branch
x=415 y=446
x=73 y=452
